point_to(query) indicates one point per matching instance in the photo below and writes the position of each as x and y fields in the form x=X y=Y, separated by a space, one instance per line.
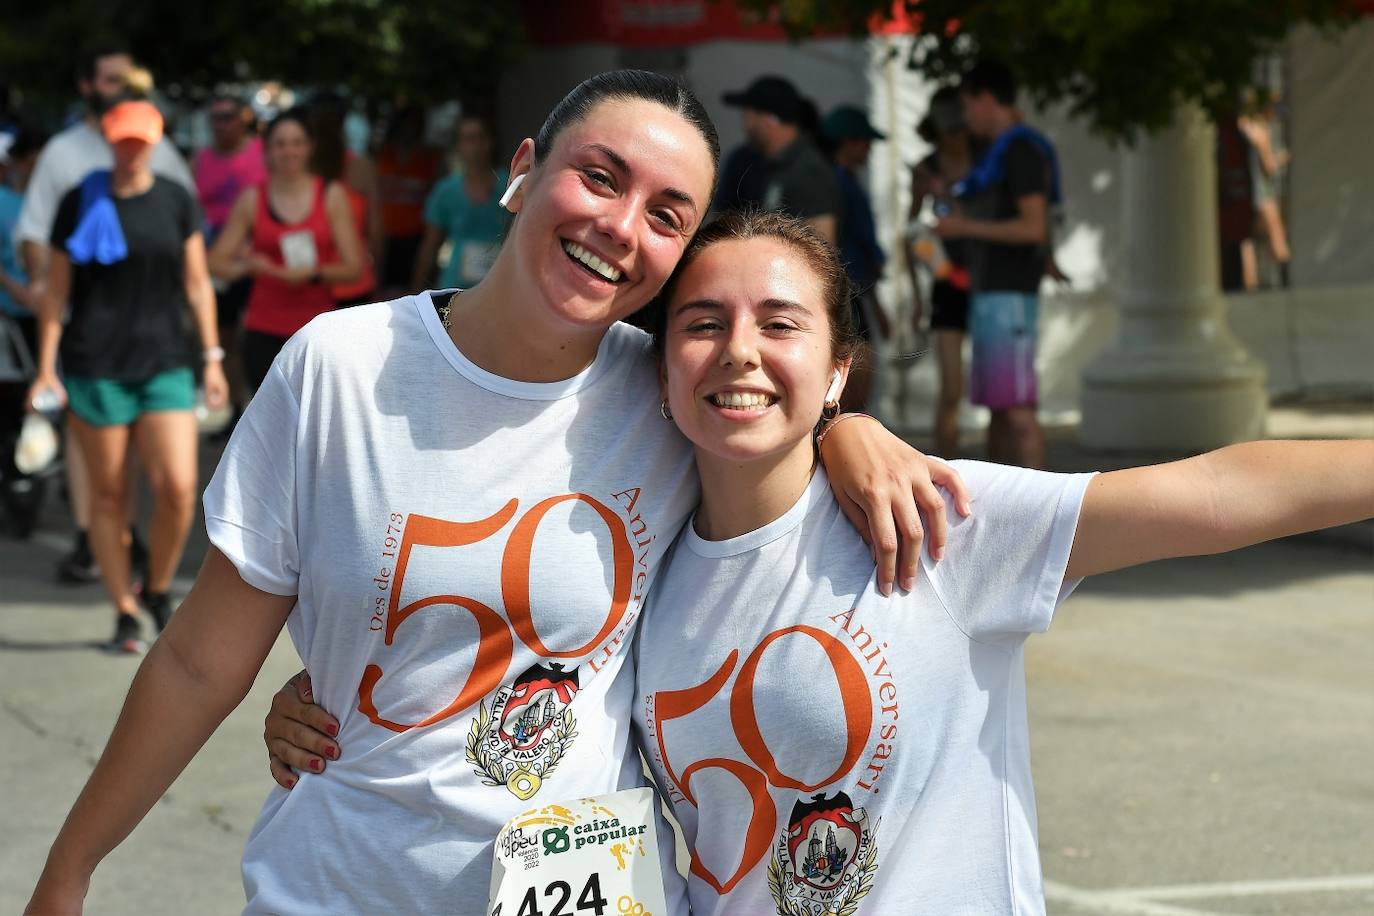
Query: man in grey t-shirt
x=801 y=182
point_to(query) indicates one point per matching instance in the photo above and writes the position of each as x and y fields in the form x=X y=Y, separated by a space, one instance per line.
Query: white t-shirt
x=824 y=746
x=471 y=556
x=68 y=158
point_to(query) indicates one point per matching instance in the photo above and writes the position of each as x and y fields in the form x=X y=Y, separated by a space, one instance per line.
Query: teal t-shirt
x=11 y=202
x=474 y=229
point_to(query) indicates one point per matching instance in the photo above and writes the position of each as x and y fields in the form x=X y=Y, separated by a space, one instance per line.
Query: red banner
x=665 y=23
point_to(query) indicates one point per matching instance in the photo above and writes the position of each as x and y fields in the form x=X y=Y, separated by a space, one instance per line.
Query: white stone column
x=1175 y=379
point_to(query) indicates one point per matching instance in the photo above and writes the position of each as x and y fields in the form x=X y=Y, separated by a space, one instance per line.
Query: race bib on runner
x=589 y=857
x=298 y=249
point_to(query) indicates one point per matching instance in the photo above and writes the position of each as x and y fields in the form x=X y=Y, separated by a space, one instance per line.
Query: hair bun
x=138 y=81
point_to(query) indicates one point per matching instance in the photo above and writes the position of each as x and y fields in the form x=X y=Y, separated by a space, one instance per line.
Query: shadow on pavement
x=1251 y=570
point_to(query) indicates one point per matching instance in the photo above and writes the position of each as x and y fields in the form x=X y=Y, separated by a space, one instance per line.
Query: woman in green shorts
x=129 y=259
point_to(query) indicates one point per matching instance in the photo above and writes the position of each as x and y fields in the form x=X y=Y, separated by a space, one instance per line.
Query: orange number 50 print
x=495 y=646
x=678 y=704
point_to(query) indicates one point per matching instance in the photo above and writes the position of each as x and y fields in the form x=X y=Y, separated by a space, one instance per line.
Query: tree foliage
x=377 y=48
x=1122 y=65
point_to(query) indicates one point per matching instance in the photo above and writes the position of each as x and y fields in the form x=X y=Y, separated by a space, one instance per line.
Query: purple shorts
x=1003 y=328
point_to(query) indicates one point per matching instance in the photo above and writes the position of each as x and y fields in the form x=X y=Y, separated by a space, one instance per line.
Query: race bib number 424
x=590 y=857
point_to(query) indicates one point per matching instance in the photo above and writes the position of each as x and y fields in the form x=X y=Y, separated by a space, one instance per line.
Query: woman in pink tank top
x=302 y=240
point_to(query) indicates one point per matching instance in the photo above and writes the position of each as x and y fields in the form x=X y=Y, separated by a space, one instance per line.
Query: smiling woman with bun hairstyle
x=450 y=500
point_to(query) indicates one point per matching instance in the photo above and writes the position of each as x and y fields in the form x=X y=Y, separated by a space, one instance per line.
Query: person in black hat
x=851 y=136
x=800 y=182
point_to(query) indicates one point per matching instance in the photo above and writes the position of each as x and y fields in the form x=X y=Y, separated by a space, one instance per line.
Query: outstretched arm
x=199 y=669
x=1220 y=501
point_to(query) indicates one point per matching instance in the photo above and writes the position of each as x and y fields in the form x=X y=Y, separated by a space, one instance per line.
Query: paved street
x=1202 y=733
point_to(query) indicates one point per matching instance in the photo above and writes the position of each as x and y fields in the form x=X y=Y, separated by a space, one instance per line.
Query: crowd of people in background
x=289 y=220
x=992 y=185
x=116 y=257
x=125 y=260
x=296 y=221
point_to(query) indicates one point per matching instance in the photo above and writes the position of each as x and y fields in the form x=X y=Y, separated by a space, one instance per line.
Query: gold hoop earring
x=664 y=410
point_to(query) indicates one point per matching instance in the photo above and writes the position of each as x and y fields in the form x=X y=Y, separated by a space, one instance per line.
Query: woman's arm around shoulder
x=1223 y=500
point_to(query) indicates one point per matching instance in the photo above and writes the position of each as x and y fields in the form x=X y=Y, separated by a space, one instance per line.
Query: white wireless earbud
x=511 y=189
x=833 y=391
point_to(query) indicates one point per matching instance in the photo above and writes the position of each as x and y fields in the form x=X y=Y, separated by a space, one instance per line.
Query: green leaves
x=425 y=51
x=1122 y=65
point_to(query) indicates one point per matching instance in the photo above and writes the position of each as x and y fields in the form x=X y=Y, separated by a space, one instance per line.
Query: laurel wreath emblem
x=845 y=903
x=489 y=766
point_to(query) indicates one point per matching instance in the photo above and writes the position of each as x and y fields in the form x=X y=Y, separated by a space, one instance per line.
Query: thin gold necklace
x=446 y=311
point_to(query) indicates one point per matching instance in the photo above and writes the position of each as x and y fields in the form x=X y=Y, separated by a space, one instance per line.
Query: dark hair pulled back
x=293 y=116
x=627 y=84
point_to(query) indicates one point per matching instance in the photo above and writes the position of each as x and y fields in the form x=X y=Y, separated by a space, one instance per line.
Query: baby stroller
x=21 y=494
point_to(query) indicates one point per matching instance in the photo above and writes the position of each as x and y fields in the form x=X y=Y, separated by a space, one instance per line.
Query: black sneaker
x=159 y=605
x=128 y=635
x=78 y=567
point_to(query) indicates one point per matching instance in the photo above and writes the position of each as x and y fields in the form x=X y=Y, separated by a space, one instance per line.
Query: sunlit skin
x=288 y=151
x=755 y=128
x=227 y=126
x=474 y=145
x=131 y=160
x=630 y=183
x=748 y=316
x=984 y=115
x=108 y=81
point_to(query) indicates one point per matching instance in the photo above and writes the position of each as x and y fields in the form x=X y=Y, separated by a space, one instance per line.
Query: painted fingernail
x=292 y=784
x=316 y=764
x=332 y=730
x=332 y=753
x=308 y=693
x=908 y=583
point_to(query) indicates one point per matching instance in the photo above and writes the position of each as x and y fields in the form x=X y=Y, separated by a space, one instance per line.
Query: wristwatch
x=213 y=354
